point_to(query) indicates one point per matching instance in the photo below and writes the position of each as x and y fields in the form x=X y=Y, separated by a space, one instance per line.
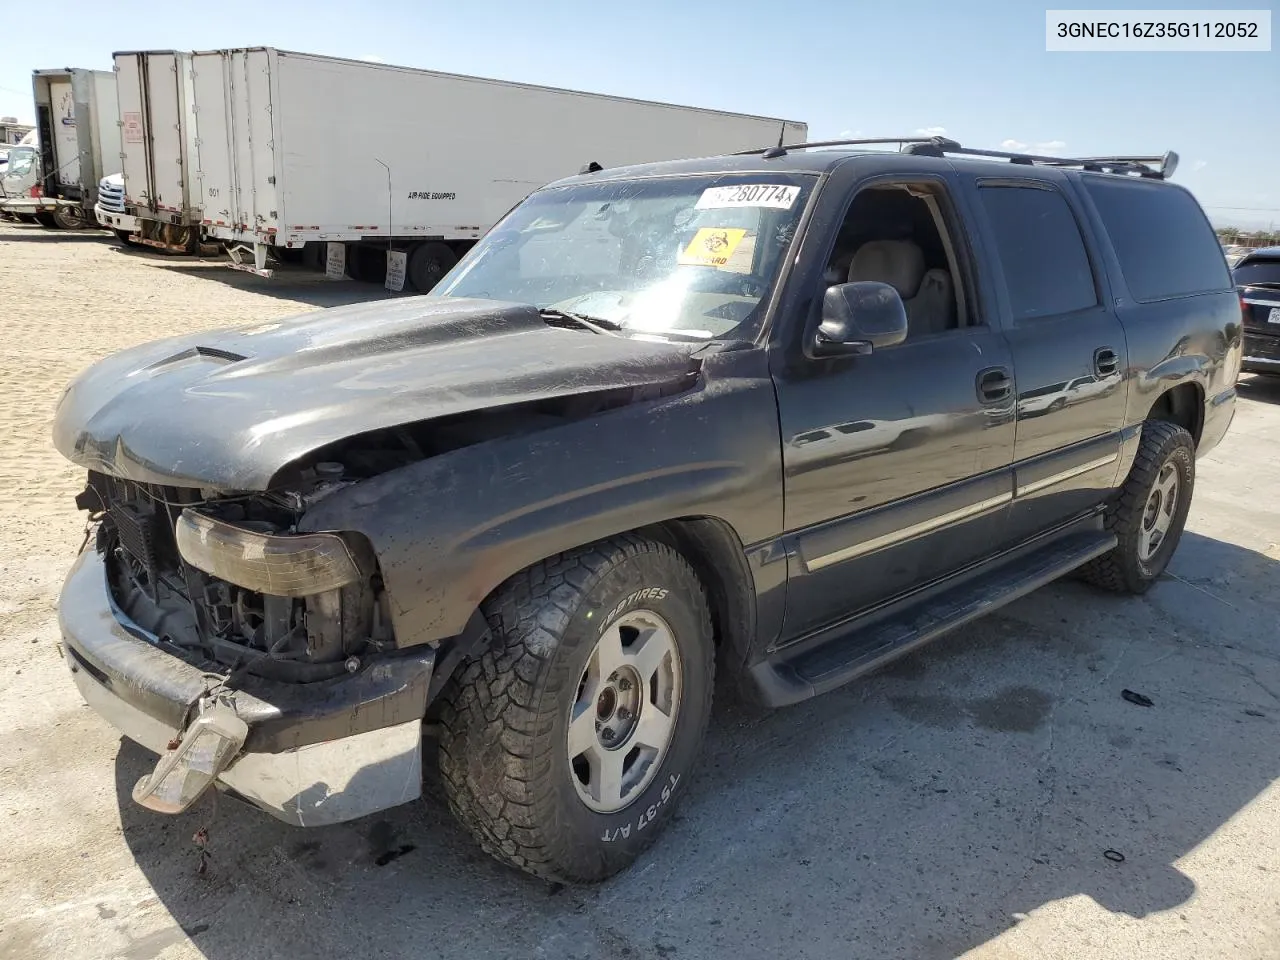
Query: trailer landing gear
x=259 y=253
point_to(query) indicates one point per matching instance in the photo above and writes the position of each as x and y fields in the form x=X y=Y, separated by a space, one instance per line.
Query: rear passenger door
x=1068 y=346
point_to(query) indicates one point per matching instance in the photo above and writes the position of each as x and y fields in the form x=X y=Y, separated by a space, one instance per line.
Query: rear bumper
x=115 y=221
x=315 y=753
x=1261 y=349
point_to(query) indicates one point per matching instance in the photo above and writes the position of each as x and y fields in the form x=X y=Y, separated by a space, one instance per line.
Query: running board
x=853 y=651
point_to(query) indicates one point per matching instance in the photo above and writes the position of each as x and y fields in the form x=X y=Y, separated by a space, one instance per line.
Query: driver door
x=898 y=464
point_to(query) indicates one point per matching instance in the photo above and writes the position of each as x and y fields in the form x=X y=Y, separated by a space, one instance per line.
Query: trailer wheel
x=373 y=263
x=315 y=256
x=428 y=262
x=46 y=219
x=70 y=218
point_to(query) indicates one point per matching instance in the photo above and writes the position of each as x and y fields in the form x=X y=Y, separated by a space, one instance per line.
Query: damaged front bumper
x=309 y=754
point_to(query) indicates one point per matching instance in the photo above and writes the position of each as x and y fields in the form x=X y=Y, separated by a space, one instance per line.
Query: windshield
x=681 y=257
x=20 y=160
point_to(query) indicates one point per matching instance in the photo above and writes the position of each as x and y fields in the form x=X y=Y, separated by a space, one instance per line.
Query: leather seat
x=927 y=294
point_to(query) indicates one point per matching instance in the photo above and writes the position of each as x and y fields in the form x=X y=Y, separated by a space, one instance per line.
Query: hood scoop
x=198 y=353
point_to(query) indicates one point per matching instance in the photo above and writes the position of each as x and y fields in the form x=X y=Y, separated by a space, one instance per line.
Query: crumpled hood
x=228 y=409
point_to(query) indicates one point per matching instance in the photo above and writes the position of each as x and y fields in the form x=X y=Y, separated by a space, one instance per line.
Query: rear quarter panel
x=1191 y=339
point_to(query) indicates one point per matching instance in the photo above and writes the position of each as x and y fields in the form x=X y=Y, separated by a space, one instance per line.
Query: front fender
x=450 y=529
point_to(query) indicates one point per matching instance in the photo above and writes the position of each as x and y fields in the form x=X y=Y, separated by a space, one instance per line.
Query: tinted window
x=1165 y=245
x=1258 y=271
x=1046 y=269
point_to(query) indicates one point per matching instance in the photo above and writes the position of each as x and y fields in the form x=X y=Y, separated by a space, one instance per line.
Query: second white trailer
x=296 y=150
x=157 y=142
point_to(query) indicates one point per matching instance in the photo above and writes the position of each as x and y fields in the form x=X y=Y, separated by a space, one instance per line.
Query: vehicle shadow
x=918 y=814
x=289 y=282
x=34 y=233
x=1259 y=386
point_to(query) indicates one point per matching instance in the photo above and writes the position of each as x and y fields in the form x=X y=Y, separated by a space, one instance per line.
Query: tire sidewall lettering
x=632 y=600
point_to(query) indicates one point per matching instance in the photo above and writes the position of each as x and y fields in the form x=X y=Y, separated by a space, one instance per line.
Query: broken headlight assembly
x=278 y=564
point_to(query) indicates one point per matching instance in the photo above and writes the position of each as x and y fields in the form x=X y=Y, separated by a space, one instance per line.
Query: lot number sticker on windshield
x=712 y=246
x=749 y=195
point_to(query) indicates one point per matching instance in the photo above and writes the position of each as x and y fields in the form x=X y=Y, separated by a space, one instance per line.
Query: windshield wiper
x=595 y=324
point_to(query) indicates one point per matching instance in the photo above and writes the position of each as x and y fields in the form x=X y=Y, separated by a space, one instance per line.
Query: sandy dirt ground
x=959 y=803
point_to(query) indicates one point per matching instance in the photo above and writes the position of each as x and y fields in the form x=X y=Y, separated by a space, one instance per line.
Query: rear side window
x=1046 y=269
x=1164 y=243
x=1261 y=270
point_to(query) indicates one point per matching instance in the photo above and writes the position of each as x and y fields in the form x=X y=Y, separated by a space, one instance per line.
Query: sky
x=977 y=70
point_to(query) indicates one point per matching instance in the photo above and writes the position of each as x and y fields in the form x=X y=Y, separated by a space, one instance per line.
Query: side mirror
x=858 y=318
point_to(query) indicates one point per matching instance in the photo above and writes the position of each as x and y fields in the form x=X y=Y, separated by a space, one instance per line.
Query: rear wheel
x=1150 y=511
x=563 y=747
x=428 y=262
x=69 y=218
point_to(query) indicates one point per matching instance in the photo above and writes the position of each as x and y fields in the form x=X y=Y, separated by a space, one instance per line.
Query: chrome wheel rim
x=623 y=718
x=1157 y=515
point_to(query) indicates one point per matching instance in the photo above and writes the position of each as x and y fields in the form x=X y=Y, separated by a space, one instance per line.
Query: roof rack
x=1152 y=167
x=781 y=149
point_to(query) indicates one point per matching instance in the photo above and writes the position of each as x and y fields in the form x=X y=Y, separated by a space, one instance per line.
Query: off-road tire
x=503 y=717
x=1123 y=570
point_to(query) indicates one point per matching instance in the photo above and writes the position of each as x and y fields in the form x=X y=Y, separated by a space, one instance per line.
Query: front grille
x=111 y=196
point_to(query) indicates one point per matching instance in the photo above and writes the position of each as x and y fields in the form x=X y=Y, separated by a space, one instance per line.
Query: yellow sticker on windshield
x=712 y=246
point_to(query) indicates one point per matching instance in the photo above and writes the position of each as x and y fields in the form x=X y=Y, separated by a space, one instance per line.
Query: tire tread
x=1124 y=513
x=494 y=702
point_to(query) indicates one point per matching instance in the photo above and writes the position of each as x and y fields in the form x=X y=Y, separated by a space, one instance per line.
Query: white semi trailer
x=301 y=153
x=158 y=148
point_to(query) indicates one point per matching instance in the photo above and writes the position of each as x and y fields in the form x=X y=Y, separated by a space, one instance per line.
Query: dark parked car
x=533 y=512
x=1257 y=276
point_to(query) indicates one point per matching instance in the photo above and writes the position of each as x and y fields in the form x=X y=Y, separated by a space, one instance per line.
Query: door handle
x=1105 y=361
x=994 y=384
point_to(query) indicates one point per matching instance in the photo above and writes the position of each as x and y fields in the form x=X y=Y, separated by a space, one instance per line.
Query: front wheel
x=1150 y=511
x=564 y=747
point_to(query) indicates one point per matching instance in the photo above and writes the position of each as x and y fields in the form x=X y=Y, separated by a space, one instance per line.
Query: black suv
x=1257 y=274
x=786 y=415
